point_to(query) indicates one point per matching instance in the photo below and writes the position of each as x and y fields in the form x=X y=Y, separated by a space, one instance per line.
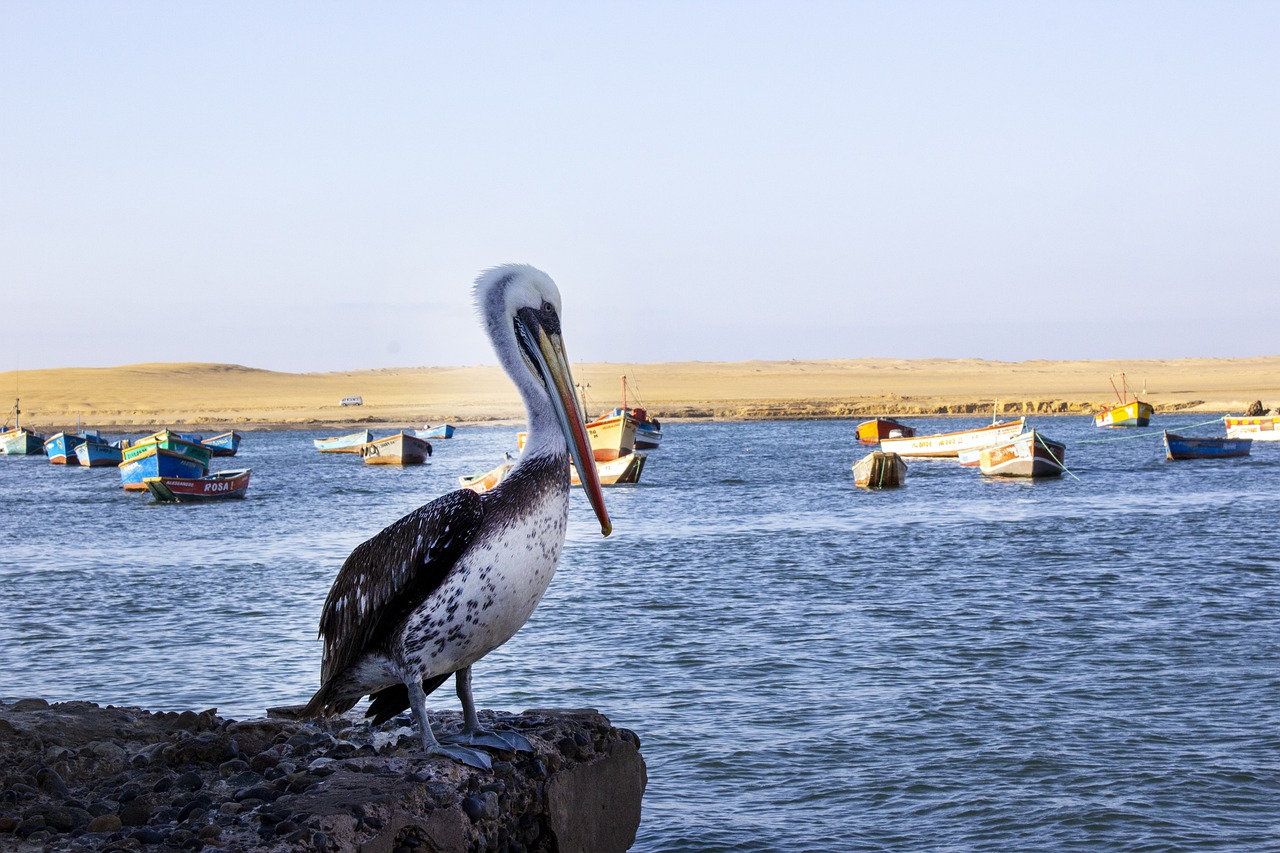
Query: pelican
x=451 y=581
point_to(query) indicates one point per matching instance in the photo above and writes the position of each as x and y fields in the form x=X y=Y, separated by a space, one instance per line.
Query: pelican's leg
x=472 y=734
x=418 y=702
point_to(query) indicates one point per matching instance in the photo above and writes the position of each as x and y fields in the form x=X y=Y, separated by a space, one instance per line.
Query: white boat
x=949 y=444
x=1027 y=455
x=1258 y=428
x=615 y=472
x=879 y=470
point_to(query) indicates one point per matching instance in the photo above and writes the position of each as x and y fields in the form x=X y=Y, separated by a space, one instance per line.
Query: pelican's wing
x=386 y=577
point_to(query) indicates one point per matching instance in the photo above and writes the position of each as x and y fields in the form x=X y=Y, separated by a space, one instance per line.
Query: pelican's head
x=520 y=306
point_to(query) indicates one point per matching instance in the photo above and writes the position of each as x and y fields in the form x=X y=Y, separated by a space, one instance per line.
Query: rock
x=66 y=818
x=105 y=823
x=1255 y=410
x=596 y=806
x=194 y=781
x=30 y=705
x=136 y=813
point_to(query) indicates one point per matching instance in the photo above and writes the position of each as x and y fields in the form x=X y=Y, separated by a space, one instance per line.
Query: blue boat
x=61 y=447
x=164 y=454
x=1188 y=447
x=223 y=445
x=442 y=431
x=98 y=453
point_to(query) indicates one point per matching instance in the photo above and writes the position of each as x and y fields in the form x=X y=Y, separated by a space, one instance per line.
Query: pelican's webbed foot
x=476 y=758
x=472 y=734
x=502 y=741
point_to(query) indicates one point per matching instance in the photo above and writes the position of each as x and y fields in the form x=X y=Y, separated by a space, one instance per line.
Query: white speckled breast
x=496 y=584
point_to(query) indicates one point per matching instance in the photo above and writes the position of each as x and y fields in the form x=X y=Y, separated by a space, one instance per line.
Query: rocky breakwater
x=77 y=776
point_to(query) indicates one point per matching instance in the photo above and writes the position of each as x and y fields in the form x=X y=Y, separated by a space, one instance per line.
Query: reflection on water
x=960 y=664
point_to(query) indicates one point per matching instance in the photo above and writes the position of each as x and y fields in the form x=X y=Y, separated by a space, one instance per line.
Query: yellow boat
x=1129 y=413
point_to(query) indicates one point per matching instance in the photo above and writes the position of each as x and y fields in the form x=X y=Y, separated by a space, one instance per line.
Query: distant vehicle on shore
x=353 y=401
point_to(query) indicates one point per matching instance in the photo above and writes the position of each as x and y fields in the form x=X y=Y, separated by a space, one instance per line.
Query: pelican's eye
x=550 y=319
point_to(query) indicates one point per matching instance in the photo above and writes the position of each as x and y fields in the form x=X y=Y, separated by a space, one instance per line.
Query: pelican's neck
x=544 y=438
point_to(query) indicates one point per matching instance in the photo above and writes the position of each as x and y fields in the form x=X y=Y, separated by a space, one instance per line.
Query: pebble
x=105 y=823
x=149 y=836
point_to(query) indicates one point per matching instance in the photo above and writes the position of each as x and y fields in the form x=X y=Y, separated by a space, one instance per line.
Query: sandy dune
x=220 y=394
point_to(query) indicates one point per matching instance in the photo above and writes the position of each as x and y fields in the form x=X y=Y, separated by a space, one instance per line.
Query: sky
x=313 y=186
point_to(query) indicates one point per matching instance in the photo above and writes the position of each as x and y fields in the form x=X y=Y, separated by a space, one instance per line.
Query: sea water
x=1090 y=662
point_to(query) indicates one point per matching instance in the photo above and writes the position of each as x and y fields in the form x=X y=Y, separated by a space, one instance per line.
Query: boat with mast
x=1130 y=412
x=19 y=440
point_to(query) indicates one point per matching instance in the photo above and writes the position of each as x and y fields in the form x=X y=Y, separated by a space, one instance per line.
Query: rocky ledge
x=79 y=777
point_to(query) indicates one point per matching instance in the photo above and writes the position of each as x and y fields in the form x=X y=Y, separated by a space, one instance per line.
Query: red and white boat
x=1027 y=455
x=1258 y=428
x=223 y=485
x=949 y=444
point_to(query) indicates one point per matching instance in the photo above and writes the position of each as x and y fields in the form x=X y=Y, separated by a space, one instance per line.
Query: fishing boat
x=486 y=480
x=61 y=447
x=612 y=435
x=950 y=444
x=610 y=438
x=429 y=431
x=165 y=454
x=222 y=485
x=1029 y=454
x=344 y=443
x=99 y=453
x=1129 y=413
x=398 y=449
x=225 y=444
x=648 y=430
x=878 y=429
x=1256 y=428
x=1191 y=447
x=19 y=440
x=879 y=470
x=615 y=472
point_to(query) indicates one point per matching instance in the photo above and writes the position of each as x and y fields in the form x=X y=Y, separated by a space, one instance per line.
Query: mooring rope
x=1152 y=434
x=1040 y=440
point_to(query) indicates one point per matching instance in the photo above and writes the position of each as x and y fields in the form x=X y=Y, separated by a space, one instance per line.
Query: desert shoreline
x=212 y=396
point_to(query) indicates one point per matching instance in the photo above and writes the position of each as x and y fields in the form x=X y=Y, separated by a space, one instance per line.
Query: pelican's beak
x=553 y=364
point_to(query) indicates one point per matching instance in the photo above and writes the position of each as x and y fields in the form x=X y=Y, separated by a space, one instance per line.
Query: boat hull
x=1258 y=429
x=877 y=430
x=21 y=441
x=615 y=472
x=1177 y=447
x=98 y=454
x=949 y=444
x=648 y=436
x=879 y=470
x=486 y=481
x=442 y=431
x=164 y=454
x=61 y=448
x=1135 y=413
x=224 y=485
x=226 y=444
x=155 y=461
x=398 y=449
x=344 y=443
x=1027 y=455
x=612 y=436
